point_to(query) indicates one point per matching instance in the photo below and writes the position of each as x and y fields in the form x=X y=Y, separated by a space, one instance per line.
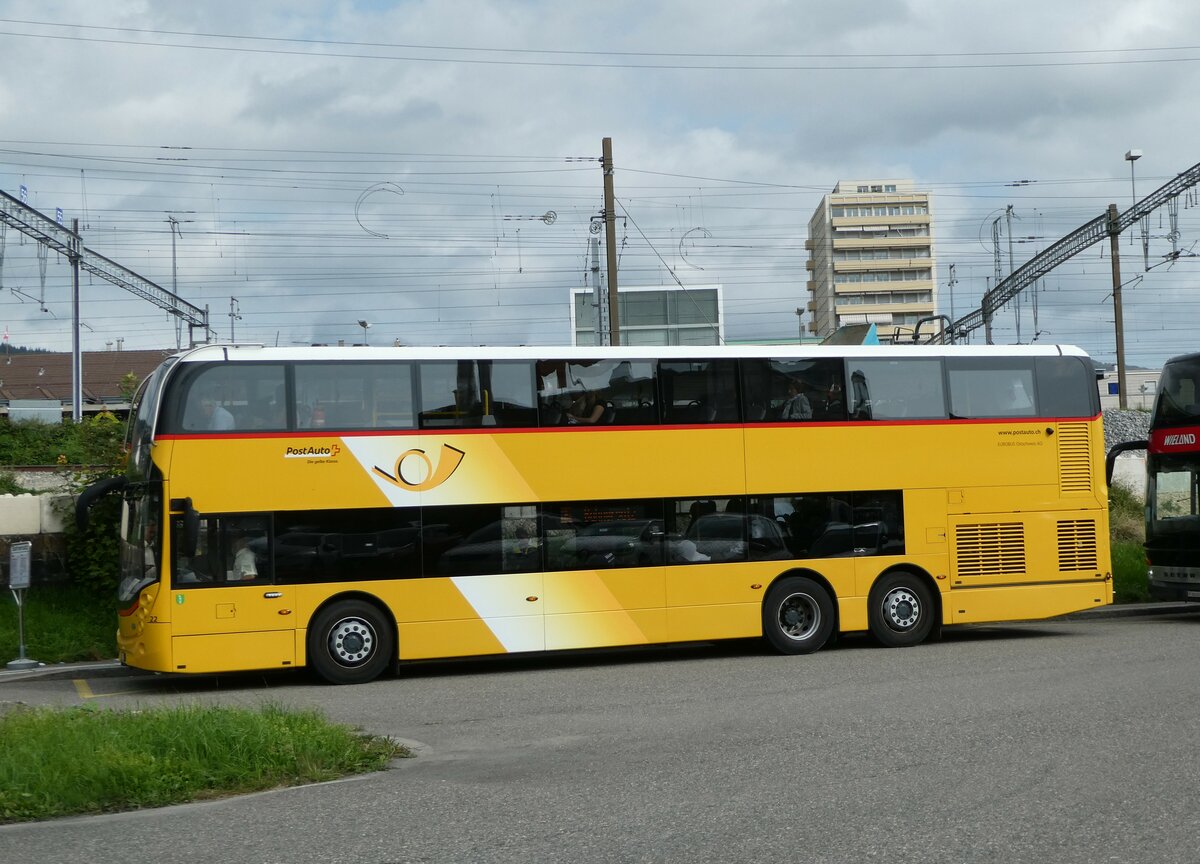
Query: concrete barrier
x=1129 y=471
x=20 y=515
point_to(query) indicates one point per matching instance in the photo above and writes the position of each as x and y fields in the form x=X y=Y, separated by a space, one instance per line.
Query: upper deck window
x=896 y=389
x=991 y=387
x=791 y=390
x=588 y=392
x=472 y=393
x=230 y=398
x=354 y=396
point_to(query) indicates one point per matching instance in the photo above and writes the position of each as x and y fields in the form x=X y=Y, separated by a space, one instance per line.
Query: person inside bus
x=244 y=565
x=215 y=416
x=1016 y=399
x=797 y=406
x=587 y=408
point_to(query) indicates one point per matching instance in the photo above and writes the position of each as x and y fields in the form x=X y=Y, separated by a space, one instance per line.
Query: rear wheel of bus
x=901 y=610
x=350 y=642
x=797 y=615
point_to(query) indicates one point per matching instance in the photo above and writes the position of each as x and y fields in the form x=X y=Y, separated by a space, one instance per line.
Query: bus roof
x=240 y=353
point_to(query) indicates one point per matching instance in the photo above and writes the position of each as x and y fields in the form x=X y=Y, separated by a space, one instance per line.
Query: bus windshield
x=1178 y=402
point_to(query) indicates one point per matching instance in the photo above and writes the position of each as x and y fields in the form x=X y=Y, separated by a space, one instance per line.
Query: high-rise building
x=871 y=259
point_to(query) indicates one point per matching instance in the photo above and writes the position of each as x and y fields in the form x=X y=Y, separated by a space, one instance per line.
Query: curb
x=1126 y=610
x=59 y=671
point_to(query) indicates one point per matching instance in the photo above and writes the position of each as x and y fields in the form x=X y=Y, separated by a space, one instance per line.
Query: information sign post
x=18 y=581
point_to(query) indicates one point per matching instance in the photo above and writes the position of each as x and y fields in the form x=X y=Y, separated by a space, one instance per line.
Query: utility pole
x=1114 y=235
x=599 y=300
x=74 y=244
x=174 y=223
x=986 y=308
x=234 y=309
x=950 y=287
x=1008 y=211
x=610 y=236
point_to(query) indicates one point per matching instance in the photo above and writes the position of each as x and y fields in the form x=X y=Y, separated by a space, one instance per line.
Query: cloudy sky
x=394 y=162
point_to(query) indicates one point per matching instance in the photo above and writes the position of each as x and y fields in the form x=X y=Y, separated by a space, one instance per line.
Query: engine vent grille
x=1074 y=458
x=990 y=549
x=1077 y=545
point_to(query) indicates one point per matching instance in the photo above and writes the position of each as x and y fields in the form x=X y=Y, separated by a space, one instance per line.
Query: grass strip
x=60 y=762
x=63 y=624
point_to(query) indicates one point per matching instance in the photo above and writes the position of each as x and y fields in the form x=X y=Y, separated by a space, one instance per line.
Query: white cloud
x=719 y=162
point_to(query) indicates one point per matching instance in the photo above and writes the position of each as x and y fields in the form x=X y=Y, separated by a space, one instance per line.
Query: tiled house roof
x=48 y=376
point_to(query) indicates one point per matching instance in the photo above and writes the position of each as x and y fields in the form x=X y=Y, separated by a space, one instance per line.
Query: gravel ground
x=1125 y=426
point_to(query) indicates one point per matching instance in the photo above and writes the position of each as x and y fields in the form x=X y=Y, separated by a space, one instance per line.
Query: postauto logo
x=414 y=464
x=319 y=451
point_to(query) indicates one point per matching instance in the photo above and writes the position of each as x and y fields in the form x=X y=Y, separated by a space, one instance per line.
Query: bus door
x=226 y=612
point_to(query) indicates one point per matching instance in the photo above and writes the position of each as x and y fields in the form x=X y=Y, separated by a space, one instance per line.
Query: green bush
x=1126 y=515
x=1130 y=583
x=96 y=441
x=94 y=554
x=1127 y=529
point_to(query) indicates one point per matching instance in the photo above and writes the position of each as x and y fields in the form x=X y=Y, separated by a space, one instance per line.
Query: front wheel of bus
x=901 y=610
x=349 y=643
x=797 y=616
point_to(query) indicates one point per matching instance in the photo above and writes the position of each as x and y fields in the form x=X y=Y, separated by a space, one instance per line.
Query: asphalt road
x=1064 y=741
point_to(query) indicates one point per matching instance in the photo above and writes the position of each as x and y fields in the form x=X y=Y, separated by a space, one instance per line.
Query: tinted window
x=698 y=391
x=477 y=393
x=596 y=535
x=354 y=395
x=231 y=397
x=706 y=531
x=1066 y=387
x=837 y=524
x=895 y=389
x=991 y=387
x=231 y=550
x=347 y=545
x=476 y=540
x=791 y=390
x=605 y=392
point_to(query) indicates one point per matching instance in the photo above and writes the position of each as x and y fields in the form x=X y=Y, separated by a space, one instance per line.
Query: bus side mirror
x=191 y=526
x=89 y=496
x=1116 y=451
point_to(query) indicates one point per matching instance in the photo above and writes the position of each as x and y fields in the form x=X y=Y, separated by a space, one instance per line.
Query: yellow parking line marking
x=85 y=691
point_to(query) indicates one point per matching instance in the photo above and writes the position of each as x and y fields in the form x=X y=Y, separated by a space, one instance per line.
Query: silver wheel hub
x=799 y=616
x=351 y=641
x=901 y=609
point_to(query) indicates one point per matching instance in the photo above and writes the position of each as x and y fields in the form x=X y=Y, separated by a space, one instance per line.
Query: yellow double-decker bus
x=348 y=509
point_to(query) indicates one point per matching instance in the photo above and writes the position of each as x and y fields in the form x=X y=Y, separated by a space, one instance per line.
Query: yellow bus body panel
x=956 y=478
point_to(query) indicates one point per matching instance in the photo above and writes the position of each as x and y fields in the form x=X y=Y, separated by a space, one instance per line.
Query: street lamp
x=364 y=325
x=1132 y=156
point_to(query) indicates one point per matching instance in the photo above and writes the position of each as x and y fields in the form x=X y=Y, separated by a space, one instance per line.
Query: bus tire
x=900 y=610
x=797 y=616
x=350 y=642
